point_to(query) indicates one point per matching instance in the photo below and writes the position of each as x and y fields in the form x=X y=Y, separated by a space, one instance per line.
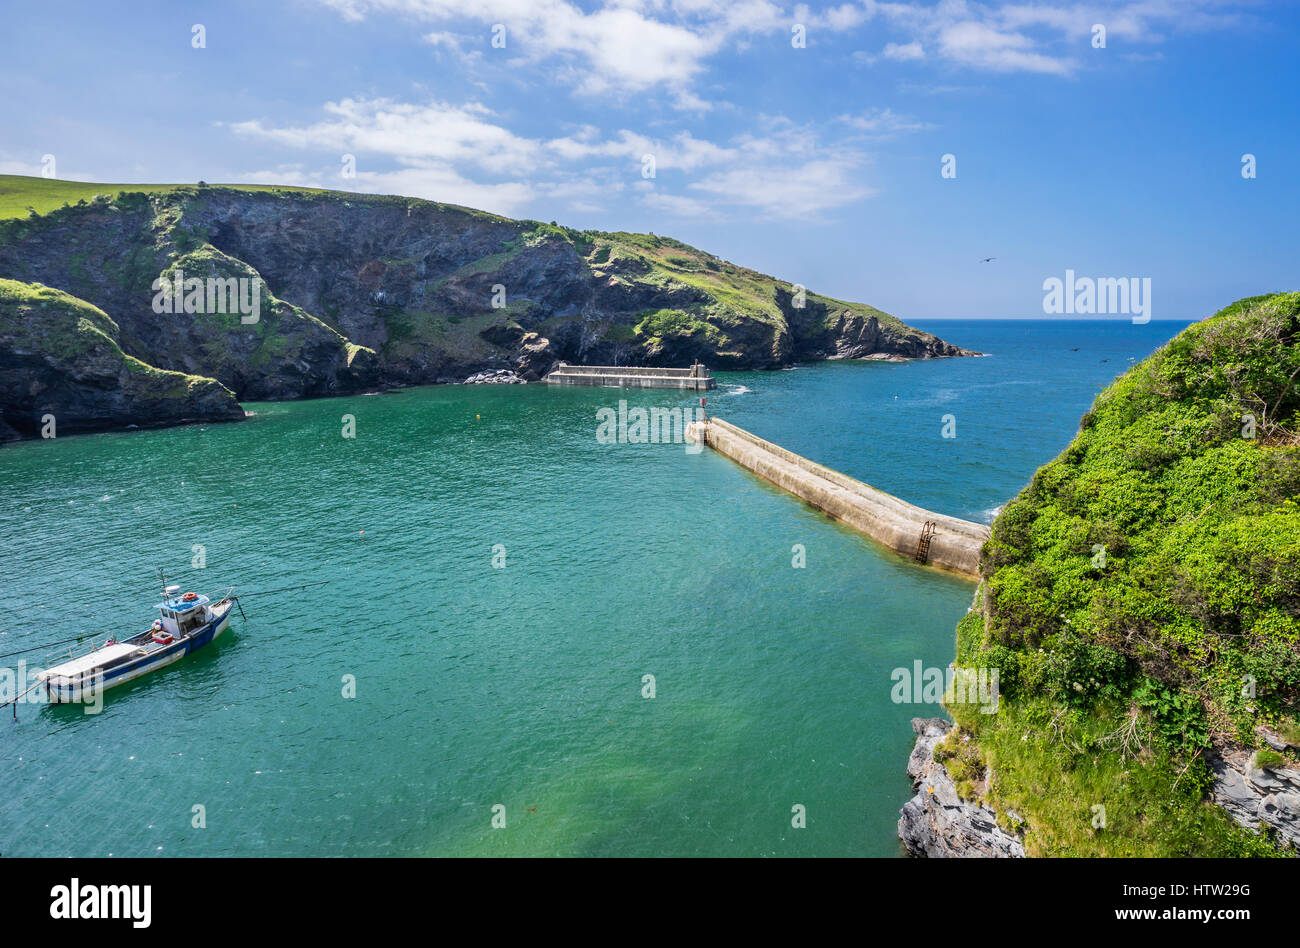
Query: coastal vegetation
x=1141 y=601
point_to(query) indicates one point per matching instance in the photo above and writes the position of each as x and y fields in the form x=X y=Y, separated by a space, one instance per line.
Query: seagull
x=987 y=259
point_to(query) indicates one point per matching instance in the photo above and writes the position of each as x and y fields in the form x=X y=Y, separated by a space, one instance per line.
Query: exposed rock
x=532 y=355
x=1252 y=796
x=494 y=377
x=1274 y=739
x=936 y=822
x=821 y=330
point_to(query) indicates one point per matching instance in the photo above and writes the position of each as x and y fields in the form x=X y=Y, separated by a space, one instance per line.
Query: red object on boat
x=163 y=638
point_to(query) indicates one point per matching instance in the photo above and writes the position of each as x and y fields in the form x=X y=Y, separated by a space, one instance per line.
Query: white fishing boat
x=186 y=622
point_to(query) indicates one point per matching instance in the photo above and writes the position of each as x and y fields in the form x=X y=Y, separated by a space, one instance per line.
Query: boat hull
x=79 y=691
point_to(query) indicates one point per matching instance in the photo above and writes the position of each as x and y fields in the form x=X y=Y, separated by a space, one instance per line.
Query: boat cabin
x=182 y=615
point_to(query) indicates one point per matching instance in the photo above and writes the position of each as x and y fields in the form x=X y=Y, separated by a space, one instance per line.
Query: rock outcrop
x=364 y=292
x=936 y=822
x=494 y=377
x=1254 y=796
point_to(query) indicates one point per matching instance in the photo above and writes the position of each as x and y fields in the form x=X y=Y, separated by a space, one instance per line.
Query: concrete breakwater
x=696 y=378
x=929 y=537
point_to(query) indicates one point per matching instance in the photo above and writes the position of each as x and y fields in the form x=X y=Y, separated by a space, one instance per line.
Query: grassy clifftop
x=22 y=195
x=1141 y=600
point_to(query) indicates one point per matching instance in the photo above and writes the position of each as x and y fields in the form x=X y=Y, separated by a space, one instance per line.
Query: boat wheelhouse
x=186 y=622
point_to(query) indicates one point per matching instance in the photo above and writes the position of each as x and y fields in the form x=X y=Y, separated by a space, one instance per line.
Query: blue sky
x=818 y=164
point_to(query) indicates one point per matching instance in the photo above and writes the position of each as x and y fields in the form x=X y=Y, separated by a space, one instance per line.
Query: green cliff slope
x=1141 y=601
x=61 y=351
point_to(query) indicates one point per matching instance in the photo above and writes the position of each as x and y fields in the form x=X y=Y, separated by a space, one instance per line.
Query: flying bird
x=987 y=259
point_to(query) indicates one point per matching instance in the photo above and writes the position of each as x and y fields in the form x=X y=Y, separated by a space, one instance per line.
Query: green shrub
x=1179 y=717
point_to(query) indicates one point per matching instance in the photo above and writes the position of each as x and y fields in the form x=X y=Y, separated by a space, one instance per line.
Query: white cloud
x=11 y=165
x=801 y=191
x=462 y=154
x=621 y=47
x=434 y=131
x=20 y=167
x=904 y=52
x=1046 y=38
x=882 y=123
x=433 y=182
x=440 y=183
x=675 y=205
x=980 y=45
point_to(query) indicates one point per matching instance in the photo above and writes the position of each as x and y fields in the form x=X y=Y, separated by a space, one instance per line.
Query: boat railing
x=59 y=656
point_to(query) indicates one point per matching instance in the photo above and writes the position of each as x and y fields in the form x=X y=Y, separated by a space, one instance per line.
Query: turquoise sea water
x=521 y=685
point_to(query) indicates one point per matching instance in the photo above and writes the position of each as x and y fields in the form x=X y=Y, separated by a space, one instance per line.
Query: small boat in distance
x=185 y=624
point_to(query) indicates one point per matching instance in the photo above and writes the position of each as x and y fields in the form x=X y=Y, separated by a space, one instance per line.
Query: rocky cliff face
x=359 y=292
x=1257 y=797
x=937 y=823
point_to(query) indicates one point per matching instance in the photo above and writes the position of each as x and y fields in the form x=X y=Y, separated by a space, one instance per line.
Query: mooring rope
x=37 y=648
x=17 y=698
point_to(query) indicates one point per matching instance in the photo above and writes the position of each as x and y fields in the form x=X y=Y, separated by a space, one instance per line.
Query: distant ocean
x=523 y=683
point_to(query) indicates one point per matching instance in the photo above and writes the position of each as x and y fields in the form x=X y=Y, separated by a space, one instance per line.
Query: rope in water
x=267 y=592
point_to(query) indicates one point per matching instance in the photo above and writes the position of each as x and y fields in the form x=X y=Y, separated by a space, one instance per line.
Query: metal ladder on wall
x=923 y=544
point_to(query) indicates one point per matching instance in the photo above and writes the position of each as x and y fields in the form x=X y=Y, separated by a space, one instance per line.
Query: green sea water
x=499 y=585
